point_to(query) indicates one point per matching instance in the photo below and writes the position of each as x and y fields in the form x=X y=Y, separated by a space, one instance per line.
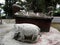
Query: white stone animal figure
x=26 y=31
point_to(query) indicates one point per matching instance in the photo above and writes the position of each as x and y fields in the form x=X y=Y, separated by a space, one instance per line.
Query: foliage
x=8 y=7
x=57 y=12
x=40 y=5
x=36 y=5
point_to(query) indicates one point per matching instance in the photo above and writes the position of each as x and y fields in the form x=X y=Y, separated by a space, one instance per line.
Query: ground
x=56 y=25
x=54 y=34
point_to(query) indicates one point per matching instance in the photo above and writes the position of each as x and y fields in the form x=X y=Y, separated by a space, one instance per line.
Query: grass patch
x=56 y=25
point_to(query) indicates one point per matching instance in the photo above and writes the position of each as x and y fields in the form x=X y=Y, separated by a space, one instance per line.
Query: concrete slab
x=8 y=21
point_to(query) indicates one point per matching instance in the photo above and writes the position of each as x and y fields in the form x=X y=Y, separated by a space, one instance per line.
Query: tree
x=8 y=8
x=36 y=5
x=42 y=5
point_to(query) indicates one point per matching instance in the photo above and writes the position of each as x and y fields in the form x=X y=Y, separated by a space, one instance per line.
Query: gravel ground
x=5 y=29
x=53 y=35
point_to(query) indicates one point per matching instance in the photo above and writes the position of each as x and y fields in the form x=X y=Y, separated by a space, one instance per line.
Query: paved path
x=56 y=20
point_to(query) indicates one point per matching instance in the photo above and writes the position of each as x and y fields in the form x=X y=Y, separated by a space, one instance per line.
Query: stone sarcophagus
x=43 y=23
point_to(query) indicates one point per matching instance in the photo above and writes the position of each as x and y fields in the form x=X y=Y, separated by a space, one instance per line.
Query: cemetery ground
x=56 y=25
